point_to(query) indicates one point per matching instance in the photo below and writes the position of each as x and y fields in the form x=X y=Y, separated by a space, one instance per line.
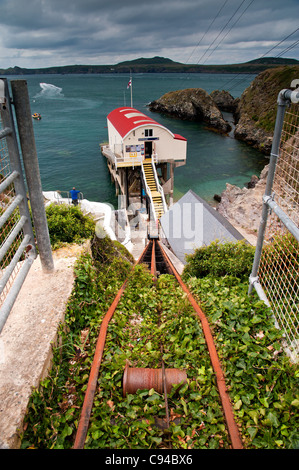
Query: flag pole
x=130 y=86
x=131 y=90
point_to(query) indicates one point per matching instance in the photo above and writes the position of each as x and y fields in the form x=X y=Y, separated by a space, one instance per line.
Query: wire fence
x=278 y=270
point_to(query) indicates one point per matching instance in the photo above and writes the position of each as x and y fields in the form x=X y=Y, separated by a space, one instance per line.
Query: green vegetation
x=67 y=224
x=263 y=385
x=220 y=260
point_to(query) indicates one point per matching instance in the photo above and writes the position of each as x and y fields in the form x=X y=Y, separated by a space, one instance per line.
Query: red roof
x=179 y=137
x=127 y=119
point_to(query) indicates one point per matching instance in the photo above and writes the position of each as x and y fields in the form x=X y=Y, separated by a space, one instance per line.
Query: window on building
x=148 y=132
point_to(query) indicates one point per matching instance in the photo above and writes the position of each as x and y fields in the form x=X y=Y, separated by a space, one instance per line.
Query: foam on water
x=50 y=91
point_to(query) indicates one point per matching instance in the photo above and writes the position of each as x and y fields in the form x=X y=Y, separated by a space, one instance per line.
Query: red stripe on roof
x=127 y=119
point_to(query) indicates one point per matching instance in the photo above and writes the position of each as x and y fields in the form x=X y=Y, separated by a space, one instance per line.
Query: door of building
x=148 y=149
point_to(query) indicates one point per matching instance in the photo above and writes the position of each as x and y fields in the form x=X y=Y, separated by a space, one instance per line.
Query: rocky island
x=192 y=104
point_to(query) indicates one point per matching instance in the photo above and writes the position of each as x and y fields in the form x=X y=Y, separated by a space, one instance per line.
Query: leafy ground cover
x=263 y=384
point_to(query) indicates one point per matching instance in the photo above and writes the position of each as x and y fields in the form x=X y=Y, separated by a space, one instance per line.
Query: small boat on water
x=36 y=116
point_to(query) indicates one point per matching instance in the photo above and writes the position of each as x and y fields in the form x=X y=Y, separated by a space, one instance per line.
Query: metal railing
x=117 y=157
x=159 y=187
x=149 y=194
x=132 y=160
x=276 y=267
x=16 y=235
x=63 y=197
x=17 y=243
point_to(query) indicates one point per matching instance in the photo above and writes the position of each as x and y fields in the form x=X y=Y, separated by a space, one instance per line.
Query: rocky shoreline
x=242 y=207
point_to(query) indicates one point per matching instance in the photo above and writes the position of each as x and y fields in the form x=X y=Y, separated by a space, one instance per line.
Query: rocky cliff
x=192 y=104
x=256 y=111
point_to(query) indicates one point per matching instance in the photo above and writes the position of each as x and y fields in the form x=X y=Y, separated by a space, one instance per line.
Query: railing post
x=31 y=166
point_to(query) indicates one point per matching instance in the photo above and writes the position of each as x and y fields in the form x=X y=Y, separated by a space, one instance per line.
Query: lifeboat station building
x=141 y=156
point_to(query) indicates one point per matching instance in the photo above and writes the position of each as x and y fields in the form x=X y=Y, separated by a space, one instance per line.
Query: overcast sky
x=44 y=33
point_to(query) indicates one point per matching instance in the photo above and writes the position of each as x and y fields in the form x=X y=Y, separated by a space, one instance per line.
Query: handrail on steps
x=159 y=187
x=148 y=191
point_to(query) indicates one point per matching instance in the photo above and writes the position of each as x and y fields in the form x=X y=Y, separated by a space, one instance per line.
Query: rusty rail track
x=158 y=262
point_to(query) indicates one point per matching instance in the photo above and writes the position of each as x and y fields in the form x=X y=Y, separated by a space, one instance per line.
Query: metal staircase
x=154 y=190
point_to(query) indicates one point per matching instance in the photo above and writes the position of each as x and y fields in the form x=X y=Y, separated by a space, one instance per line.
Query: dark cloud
x=56 y=32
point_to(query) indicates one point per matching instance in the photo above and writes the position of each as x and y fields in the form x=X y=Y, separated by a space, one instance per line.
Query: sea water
x=74 y=111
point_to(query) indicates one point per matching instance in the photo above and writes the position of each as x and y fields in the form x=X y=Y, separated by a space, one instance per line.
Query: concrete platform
x=27 y=337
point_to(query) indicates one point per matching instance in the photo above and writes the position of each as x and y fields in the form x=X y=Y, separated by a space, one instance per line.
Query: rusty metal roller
x=144 y=379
